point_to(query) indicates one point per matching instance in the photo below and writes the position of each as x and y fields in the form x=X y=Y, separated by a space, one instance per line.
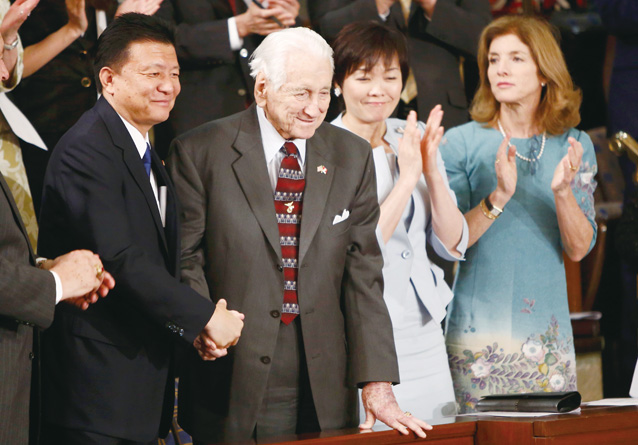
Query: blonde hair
x=560 y=100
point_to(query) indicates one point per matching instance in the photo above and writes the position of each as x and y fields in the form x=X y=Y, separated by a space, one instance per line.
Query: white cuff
x=58 y=287
x=236 y=42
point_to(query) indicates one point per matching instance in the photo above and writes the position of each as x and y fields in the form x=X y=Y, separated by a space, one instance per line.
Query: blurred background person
x=509 y=330
x=417 y=207
x=59 y=87
x=440 y=34
x=215 y=39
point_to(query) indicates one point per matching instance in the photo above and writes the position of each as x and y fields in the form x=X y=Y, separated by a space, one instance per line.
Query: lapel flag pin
x=322 y=169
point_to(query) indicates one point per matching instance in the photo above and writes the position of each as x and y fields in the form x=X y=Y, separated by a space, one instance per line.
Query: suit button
x=31 y=355
x=241 y=92
x=280 y=268
x=243 y=52
x=274 y=314
x=83 y=54
x=181 y=332
x=406 y=254
x=265 y=360
x=86 y=82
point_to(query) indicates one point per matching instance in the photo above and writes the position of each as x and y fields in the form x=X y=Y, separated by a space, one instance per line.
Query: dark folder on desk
x=545 y=402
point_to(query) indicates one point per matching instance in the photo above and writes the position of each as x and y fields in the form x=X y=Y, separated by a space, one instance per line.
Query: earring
x=542 y=84
x=337 y=91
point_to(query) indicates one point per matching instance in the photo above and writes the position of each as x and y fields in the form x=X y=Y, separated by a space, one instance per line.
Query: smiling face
x=371 y=96
x=144 y=88
x=512 y=72
x=299 y=106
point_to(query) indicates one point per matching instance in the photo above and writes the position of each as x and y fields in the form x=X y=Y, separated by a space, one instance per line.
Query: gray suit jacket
x=230 y=249
x=27 y=300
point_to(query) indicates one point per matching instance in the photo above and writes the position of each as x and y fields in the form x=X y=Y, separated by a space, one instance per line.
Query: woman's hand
x=410 y=162
x=506 y=174
x=14 y=18
x=430 y=141
x=567 y=167
x=76 y=11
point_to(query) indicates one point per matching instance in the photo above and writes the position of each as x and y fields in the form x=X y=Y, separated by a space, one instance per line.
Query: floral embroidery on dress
x=543 y=363
x=583 y=186
x=529 y=306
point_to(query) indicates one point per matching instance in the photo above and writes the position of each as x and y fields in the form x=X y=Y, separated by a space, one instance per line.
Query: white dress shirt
x=272 y=142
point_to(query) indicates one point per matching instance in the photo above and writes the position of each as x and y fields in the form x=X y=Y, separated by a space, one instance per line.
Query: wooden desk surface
x=595 y=426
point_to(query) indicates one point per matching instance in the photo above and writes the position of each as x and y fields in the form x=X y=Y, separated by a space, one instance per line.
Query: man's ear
x=106 y=79
x=261 y=90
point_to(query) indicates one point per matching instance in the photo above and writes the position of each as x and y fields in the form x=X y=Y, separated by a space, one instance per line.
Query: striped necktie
x=288 y=206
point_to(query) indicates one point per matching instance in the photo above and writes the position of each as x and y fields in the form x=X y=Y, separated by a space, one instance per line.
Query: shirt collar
x=273 y=141
x=139 y=139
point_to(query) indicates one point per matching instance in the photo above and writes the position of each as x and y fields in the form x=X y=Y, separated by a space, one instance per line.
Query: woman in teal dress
x=523 y=177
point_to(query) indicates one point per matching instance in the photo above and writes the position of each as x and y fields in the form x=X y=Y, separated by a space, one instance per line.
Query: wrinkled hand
x=409 y=151
x=148 y=7
x=83 y=303
x=81 y=273
x=379 y=403
x=431 y=140
x=257 y=21
x=506 y=174
x=568 y=167
x=76 y=11
x=15 y=17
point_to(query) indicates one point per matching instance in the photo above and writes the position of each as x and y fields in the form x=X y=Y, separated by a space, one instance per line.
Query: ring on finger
x=99 y=271
x=407 y=414
x=572 y=168
x=22 y=12
x=497 y=161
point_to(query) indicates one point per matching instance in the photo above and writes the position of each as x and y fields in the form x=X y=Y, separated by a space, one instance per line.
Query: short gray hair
x=271 y=55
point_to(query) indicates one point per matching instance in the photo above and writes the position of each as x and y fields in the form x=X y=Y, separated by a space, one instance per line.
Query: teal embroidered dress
x=508 y=328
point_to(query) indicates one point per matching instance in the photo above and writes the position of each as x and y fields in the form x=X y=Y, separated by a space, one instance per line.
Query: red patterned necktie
x=288 y=204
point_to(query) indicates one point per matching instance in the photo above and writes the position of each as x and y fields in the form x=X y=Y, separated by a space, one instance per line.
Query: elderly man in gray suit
x=278 y=215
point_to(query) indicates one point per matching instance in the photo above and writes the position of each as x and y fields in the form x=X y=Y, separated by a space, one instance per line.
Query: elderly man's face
x=144 y=88
x=297 y=108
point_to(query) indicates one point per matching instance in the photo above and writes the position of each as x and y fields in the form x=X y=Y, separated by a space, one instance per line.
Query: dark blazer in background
x=215 y=80
x=108 y=369
x=434 y=46
x=27 y=301
x=231 y=250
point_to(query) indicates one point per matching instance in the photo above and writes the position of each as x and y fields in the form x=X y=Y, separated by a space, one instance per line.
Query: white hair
x=272 y=54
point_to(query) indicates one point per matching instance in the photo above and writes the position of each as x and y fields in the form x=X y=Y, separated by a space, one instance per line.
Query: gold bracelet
x=485 y=211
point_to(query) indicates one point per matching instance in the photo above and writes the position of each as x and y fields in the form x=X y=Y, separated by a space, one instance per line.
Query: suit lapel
x=171 y=228
x=122 y=139
x=16 y=214
x=316 y=191
x=252 y=175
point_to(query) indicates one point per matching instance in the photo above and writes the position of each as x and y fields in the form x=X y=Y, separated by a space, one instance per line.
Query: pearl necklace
x=509 y=144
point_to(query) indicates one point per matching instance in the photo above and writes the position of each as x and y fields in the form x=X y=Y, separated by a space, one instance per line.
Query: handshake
x=220 y=333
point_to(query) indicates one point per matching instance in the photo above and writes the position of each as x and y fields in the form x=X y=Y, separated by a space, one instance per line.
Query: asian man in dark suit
x=311 y=286
x=108 y=371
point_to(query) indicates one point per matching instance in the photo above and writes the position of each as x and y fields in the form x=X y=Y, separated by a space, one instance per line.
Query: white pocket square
x=341 y=218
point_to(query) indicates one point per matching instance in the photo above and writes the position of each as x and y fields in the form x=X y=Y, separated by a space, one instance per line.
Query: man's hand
x=81 y=273
x=383 y=6
x=148 y=7
x=379 y=403
x=83 y=303
x=207 y=349
x=257 y=21
x=224 y=327
x=427 y=6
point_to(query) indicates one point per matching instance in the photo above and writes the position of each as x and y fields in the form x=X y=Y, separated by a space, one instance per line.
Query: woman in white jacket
x=417 y=207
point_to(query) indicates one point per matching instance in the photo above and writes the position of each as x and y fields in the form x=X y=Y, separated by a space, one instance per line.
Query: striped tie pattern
x=288 y=206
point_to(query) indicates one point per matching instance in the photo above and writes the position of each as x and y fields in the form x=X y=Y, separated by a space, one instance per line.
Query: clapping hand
x=506 y=174
x=379 y=403
x=431 y=140
x=148 y=7
x=567 y=167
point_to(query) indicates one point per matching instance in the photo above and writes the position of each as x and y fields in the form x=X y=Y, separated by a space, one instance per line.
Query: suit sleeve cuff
x=58 y=287
x=236 y=42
